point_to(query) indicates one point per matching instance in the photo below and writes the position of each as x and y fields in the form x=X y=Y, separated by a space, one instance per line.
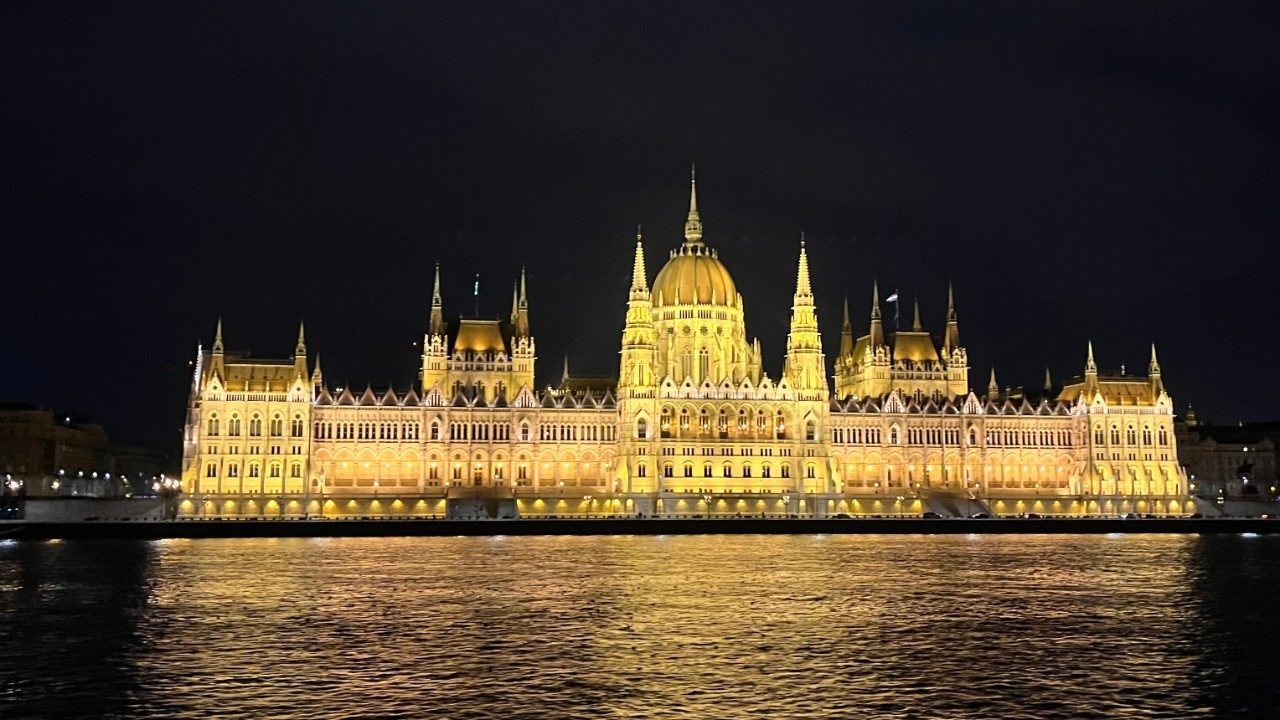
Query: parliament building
x=693 y=425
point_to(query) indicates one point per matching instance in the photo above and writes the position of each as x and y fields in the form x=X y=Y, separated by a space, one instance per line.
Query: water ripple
x=640 y=627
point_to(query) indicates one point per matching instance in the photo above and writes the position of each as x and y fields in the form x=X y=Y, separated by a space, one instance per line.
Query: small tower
x=217 y=366
x=300 y=353
x=993 y=388
x=522 y=308
x=1153 y=374
x=1090 y=372
x=805 y=366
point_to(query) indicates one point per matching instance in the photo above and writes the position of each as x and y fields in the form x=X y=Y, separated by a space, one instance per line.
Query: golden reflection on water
x=710 y=626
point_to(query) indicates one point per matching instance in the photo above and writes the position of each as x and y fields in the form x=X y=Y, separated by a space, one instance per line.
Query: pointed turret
x=639 y=283
x=1048 y=380
x=1090 y=371
x=915 y=324
x=317 y=377
x=564 y=376
x=993 y=388
x=876 y=335
x=1153 y=373
x=437 y=306
x=846 y=332
x=951 y=341
x=805 y=366
x=216 y=367
x=693 y=224
x=300 y=353
x=803 y=286
x=515 y=302
x=522 y=308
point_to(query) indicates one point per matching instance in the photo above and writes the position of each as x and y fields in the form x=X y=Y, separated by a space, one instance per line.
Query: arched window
x=253 y=470
x=1097 y=435
x=233 y=470
x=435 y=429
x=295 y=428
x=706 y=470
x=211 y=470
x=893 y=435
x=766 y=471
x=295 y=470
x=233 y=426
x=213 y=425
x=786 y=471
x=255 y=426
x=746 y=470
x=704 y=364
x=684 y=419
x=668 y=471
x=275 y=470
x=728 y=470
x=973 y=436
x=642 y=429
x=1115 y=434
x=704 y=421
x=810 y=430
x=1131 y=436
x=664 y=427
x=688 y=469
x=524 y=431
x=1146 y=434
x=1164 y=436
x=809 y=471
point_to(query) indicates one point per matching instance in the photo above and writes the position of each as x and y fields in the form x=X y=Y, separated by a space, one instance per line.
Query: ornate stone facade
x=694 y=425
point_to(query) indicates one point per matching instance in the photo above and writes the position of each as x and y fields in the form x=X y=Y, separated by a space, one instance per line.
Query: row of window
x=726 y=470
x=1130 y=435
x=253 y=470
x=275 y=426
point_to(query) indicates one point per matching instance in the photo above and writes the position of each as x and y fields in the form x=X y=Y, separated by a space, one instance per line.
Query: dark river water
x=811 y=626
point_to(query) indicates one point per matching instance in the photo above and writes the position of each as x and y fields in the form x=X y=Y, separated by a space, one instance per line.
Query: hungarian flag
x=892 y=298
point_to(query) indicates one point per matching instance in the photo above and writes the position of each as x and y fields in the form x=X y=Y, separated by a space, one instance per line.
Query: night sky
x=1091 y=171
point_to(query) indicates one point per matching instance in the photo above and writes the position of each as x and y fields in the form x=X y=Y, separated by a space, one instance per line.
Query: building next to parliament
x=692 y=426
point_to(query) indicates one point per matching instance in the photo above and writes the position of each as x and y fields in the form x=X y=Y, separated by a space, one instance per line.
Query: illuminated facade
x=693 y=425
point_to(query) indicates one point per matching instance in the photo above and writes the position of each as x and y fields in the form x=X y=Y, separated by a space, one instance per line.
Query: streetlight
x=786 y=505
x=707 y=499
x=898 y=503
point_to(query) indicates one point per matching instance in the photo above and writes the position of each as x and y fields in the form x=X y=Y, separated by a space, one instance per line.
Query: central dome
x=694 y=275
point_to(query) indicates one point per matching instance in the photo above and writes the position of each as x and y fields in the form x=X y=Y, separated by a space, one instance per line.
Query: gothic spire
x=951 y=340
x=1090 y=367
x=803 y=287
x=846 y=332
x=1153 y=368
x=693 y=224
x=564 y=377
x=993 y=388
x=915 y=324
x=522 y=307
x=437 y=306
x=876 y=335
x=217 y=338
x=301 y=347
x=638 y=281
x=1048 y=380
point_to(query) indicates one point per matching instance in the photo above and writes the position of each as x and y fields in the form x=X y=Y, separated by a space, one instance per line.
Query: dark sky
x=1100 y=170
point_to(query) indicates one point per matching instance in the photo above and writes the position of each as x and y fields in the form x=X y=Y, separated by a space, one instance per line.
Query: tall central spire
x=693 y=225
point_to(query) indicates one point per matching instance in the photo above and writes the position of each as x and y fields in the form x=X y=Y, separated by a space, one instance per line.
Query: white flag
x=892 y=298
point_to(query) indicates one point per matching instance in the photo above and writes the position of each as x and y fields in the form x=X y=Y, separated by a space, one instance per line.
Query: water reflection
x=690 y=626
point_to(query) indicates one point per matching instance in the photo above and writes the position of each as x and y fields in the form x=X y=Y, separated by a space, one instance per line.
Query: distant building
x=36 y=442
x=1229 y=461
x=693 y=424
